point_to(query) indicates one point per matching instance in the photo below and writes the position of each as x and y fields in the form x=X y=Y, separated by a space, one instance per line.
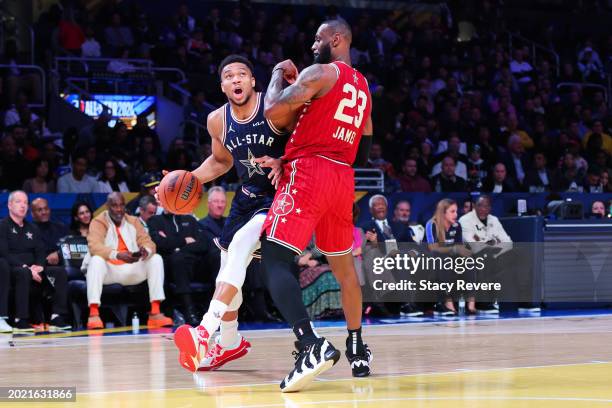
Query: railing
x=43 y=80
x=97 y=64
x=198 y=131
x=534 y=49
x=369 y=179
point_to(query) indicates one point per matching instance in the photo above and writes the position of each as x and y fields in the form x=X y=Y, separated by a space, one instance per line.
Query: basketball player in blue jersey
x=240 y=133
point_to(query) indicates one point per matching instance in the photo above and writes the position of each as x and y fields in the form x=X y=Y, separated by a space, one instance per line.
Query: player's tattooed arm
x=220 y=161
x=283 y=104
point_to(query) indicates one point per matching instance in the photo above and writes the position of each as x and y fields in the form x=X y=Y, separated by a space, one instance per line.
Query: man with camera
x=122 y=252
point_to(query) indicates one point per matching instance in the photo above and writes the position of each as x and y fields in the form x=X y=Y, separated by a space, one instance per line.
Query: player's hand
x=371 y=236
x=290 y=71
x=53 y=258
x=126 y=257
x=275 y=164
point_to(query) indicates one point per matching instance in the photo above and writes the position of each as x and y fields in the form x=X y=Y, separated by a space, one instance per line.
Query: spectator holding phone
x=122 y=252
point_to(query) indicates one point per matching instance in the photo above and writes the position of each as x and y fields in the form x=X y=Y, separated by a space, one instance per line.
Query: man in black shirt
x=181 y=243
x=21 y=244
x=51 y=231
x=212 y=224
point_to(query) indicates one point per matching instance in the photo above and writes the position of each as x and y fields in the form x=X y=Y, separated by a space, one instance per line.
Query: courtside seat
x=117 y=298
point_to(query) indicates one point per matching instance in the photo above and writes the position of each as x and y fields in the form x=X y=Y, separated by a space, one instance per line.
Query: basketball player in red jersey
x=332 y=104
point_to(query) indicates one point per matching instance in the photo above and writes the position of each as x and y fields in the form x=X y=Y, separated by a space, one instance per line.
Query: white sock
x=229 y=334
x=212 y=318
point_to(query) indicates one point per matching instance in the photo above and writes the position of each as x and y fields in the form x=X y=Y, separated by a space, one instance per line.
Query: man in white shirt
x=521 y=69
x=486 y=237
x=77 y=181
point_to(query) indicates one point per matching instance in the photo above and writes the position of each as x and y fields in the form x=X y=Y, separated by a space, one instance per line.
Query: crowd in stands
x=473 y=114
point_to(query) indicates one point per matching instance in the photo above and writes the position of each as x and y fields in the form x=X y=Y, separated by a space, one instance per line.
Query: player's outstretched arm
x=281 y=105
x=363 y=151
x=220 y=161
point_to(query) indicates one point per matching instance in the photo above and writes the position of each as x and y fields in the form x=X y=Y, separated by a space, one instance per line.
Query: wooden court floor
x=543 y=362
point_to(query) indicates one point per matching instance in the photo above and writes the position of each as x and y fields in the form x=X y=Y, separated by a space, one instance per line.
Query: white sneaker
x=4 y=326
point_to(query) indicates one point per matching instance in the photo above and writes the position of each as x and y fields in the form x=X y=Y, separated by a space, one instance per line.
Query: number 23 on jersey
x=354 y=98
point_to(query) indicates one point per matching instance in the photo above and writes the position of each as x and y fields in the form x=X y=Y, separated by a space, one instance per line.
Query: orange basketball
x=179 y=192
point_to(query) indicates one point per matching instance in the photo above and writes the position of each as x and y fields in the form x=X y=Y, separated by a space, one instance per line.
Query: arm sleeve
x=142 y=238
x=40 y=251
x=167 y=244
x=95 y=241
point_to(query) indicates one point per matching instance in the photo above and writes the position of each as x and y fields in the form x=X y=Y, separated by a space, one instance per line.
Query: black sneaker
x=58 y=324
x=440 y=309
x=310 y=361
x=360 y=363
x=410 y=310
x=23 y=325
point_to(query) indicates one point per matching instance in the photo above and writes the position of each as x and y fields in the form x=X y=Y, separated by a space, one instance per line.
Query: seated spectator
x=589 y=66
x=597 y=135
x=91 y=47
x=77 y=181
x=52 y=231
x=475 y=159
x=516 y=161
x=148 y=208
x=447 y=181
x=112 y=178
x=401 y=213
x=499 y=183
x=443 y=235
x=380 y=228
x=122 y=252
x=598 y=209
x=42 y=180
x=571 y=176
x=540 y=178
x=20 y=114
x=592 y=181
x=485 y=235
x=182 y=245
x=212 y=224
x=148 y=182
x=411 y=181
x=80 y=215
x=521 y=69
x=454 y=145
x=320 y=290
x=513 y=129
x=22 y=246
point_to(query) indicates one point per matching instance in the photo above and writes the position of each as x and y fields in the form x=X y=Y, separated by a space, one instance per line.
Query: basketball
x=179 y=192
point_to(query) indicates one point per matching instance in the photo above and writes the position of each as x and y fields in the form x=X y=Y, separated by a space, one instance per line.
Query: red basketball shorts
x=315 y=196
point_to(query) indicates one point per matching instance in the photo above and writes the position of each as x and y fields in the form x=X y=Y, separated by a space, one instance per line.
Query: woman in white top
x=112 y=178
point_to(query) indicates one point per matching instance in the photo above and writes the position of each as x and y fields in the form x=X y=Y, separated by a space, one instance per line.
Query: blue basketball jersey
x=251 y=138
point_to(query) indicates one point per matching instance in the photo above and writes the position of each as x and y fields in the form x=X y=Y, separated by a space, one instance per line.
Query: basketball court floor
x=551 y=361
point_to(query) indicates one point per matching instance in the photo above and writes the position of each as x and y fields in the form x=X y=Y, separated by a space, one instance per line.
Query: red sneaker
x=218 y=355
x=192 y=344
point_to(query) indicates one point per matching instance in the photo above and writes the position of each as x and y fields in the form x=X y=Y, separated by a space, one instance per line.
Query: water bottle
x=461 y=306
x=135 y=324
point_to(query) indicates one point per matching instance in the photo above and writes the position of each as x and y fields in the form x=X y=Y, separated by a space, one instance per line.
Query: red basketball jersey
x=332 y=125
